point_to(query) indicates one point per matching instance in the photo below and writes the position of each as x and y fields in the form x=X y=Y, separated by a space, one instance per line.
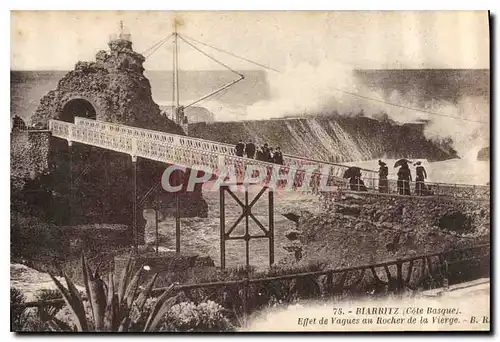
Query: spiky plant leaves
x=55 y=324
x=145 y=293
x=96 y=295
x=124 y=279
x=111 y=315
x=87 y=273
x=156 y=312
x=74 y=303
x=125 y=324
x=54 y=327
x=98 y=299
x=114 y=311
x=165 y=307
x=132 y=287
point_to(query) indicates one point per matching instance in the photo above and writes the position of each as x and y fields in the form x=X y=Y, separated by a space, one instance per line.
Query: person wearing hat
x=404 y=179
x=383 y=172
x=240 y=148
x=278 y=156
x=420 y=188
x=250 y=149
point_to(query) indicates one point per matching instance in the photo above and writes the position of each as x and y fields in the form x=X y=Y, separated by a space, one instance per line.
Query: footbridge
x=216 y=159
x=304 y=175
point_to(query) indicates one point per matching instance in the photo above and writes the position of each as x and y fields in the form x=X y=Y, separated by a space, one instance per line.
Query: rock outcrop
x=484 y=154
x=112 y=88
x=332 y=137
x=358 y=230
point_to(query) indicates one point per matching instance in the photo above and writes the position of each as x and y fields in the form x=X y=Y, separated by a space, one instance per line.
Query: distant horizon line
x=264 y=71
x=356 y=69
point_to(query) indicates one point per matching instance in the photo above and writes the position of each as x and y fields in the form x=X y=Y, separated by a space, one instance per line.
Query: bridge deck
x=219 y=158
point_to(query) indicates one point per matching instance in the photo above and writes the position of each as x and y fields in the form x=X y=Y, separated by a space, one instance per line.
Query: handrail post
x=70 y=152
x=157 y=207
x=222 y=218
x=271 y=227
x=329 y=282
x=445 y=279
x=134 y=205
x=134 y=147
x=40 y=307
x=399 y=268
x=177 y=225
x=245 y=300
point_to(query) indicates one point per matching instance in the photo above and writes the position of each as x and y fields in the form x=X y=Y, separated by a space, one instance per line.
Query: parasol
x=352 y=172
x=401 y=162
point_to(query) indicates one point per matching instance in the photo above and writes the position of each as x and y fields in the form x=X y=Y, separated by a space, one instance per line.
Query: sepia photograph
x=250 y=171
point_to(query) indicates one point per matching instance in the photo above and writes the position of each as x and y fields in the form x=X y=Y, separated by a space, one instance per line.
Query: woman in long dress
x=404 y=179
x=420 y=188
x=383 y=172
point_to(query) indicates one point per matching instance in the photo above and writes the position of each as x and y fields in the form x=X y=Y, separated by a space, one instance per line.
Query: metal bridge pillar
x=268 y=233
x=134 y=204
x=157 y=207
x=70 y=152
x=177 y=225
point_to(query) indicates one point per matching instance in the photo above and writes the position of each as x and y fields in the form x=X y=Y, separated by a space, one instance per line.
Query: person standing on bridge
x=266 y=153
x=420 y=188
x=404 y=179
x=250 y=149
x=260 y=154
x=240 y=148
x=278 y=156
x=270 y=157
x=383 y=172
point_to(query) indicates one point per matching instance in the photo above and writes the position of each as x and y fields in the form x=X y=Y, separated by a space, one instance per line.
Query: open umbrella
x=401 y=162
x=352 y=171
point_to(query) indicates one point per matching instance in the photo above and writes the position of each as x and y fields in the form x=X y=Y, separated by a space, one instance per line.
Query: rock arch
x=77 y=106
x=112 y=88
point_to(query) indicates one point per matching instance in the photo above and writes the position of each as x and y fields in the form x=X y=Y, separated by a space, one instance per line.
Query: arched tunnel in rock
x=77 y=107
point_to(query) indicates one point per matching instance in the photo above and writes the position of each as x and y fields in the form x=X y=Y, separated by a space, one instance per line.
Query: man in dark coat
x=420 y=188
x=278 y=156
x=383 y=172
x=260 y=154
x=266 y=153
x=250 y=149
x=240 y=148
x=270 y=156
x=404 y=179
x=355 y=181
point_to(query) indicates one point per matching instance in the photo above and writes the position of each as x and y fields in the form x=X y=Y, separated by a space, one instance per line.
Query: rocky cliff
x=484 y=154
x=112 y=88
x=115 y=87
x=364 y=229
x=332 y=138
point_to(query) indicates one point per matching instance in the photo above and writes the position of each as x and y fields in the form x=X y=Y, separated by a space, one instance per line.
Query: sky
x=56 y=40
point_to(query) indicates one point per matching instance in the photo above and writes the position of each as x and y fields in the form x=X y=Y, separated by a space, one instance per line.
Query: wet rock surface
x=484 y=154
x=331 y=137
x=388 y=228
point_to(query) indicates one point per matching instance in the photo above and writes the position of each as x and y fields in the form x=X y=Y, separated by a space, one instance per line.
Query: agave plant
x=114 y=307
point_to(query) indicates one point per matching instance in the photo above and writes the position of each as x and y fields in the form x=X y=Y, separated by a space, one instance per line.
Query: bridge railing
x=170 y=152
x=175 y=149
x=448 y=190
x=432 y=270
x=207 y=145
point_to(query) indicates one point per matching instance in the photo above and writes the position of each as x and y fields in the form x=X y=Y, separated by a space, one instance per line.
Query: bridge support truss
x=134 y=204
x=225 y=235
x=70 y=167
